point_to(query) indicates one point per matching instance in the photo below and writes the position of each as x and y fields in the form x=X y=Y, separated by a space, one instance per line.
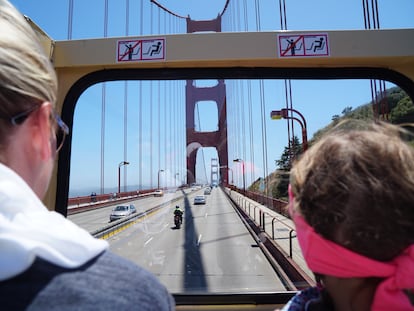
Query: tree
x=285 y=161
x=346 y=110
x=335 y=118
x=403 y=109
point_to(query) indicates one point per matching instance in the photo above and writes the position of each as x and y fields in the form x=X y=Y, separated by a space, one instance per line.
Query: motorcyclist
x=178 y=212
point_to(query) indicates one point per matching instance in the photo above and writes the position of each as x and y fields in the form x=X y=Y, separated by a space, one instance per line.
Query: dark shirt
x=107 y=282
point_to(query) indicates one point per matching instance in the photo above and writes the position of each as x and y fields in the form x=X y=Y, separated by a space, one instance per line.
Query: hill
x=396 y=107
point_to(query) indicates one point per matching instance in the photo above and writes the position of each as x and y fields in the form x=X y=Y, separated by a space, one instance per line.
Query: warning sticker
x=303 y=45
x=141 y=50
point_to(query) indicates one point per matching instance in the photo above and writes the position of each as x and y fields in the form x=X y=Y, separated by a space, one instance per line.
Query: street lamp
x=119 y=174
x=160 y=171
x=244 y=180
x=284 y=113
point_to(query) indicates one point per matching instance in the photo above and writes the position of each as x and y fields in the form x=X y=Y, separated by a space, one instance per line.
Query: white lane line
x=205 y=215
x=150 y=239
x=199 y=239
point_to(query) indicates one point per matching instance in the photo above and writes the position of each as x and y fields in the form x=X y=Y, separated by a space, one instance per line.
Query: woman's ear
x=40 y=131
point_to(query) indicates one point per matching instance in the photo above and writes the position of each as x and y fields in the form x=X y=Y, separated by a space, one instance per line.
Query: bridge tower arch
x=197 y=139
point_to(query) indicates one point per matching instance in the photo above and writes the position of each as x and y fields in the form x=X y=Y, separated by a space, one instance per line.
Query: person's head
x=354 y=187
x=28 y=91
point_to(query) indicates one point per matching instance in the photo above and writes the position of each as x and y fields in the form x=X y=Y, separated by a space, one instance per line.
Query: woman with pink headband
x=352 y=202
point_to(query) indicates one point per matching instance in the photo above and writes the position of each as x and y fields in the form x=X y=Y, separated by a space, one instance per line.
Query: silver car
x=122 y=211
x=200 y=199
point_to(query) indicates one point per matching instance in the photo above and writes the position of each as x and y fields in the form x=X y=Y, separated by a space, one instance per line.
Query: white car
x=199 y=199
x=122 y=211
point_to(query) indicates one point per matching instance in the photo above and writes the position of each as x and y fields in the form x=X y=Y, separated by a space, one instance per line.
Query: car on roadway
x=207 y=190
x=158 y=193
x=122 y=211
x=199 y=199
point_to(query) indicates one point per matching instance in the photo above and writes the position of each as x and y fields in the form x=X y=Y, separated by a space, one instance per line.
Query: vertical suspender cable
x=174 y=126
x=243 y=118
x=264 y=135
x=367 y=22
x=263 y=110
x=288 y=84
x=250 y=102
x=151 y=113
x=70 y=19
x=249 y=97
x=159 y=125
x=170 y=125
x=103 y=110
x=165 y=112
x=384 y=103
x=126 y=102
x=140 y=103
x=164 y=103
x=282 y=10
x=379 y=104
x=159 y=104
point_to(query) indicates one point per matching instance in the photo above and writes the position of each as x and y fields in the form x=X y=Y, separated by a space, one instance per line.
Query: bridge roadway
x=212 y=252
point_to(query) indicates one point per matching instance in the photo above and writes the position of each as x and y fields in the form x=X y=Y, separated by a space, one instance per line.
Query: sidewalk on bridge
x=282 y=228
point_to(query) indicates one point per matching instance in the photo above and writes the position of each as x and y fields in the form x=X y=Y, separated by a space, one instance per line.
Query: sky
x=259 y=146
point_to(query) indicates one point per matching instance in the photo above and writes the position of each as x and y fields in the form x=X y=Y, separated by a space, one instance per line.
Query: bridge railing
x=277 y=205
x=99 y=198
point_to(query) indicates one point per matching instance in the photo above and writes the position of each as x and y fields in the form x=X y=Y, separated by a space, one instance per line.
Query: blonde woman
x=47 y=262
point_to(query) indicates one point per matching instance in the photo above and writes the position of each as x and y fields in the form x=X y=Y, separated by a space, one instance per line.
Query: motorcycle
x=177 y=221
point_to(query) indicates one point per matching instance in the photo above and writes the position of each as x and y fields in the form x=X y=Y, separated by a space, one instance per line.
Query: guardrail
x=119 y=225
x=97 y=198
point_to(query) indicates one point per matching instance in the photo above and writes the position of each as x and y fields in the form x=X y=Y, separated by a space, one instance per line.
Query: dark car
x=122 y=211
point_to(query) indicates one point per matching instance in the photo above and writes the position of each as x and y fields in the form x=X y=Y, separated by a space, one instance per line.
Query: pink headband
x=326 y=257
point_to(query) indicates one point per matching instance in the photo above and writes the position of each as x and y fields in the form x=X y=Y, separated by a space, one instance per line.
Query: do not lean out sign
x=141 y=50
x=303 y=45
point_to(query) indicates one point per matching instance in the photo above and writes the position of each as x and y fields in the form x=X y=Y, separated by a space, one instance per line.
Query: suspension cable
x=70 y=19
x=167 y=10
x=103 y=109
x=264 y=135
x=126 y=102
x=378 y=89
x=249 y=96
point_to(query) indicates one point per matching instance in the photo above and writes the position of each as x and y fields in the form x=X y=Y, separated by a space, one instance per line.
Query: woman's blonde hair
x=27 y=76
x=355 y=186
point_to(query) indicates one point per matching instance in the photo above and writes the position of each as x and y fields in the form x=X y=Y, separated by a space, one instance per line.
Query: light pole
x=244 y=179
x=160 y=171
x=284 y=113
x=119 y=174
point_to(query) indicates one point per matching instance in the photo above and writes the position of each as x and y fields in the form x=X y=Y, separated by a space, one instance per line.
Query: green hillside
x=398 y=108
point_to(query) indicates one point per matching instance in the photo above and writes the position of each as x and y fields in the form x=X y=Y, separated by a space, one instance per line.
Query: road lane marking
x=149 y=240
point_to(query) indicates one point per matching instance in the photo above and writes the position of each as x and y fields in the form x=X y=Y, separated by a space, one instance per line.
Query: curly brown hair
x=355 y=187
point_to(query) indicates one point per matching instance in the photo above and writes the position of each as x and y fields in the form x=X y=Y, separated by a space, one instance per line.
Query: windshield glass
x=121 y=208
x=233 y=136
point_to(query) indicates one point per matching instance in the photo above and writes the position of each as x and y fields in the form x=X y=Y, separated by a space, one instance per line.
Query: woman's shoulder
x=105 y=282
